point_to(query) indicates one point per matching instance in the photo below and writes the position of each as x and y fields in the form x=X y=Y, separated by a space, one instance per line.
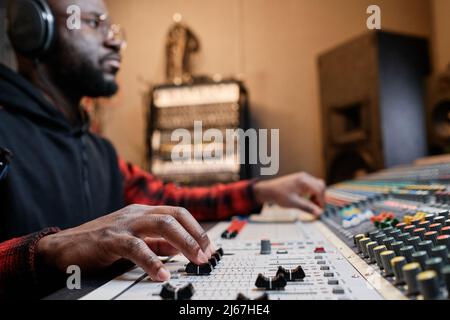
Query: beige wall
x=272 y=43
x=441 y=34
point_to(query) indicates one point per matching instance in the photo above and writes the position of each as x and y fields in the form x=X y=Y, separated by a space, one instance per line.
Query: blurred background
x=293 y=57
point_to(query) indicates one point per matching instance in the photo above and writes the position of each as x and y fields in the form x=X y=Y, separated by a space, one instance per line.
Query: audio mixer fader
x=384 y=237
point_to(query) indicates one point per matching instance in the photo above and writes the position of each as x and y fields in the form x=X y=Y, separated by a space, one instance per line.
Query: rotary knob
x=429 y=285
x=432 y=236
x=388 y=242
x=386 y=257
x=426 y=245
x=407 y=252
x=396 y=246
x=420 y=257
x=377 y=252
x=440 y=251
x=435 y=264
x=397 y=266
x=414 y=241
x=410 y=272
x=363 y=244
x=444 y=240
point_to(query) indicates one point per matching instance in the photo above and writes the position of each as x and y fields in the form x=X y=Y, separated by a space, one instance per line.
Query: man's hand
x=137 y=233
x=298 y=190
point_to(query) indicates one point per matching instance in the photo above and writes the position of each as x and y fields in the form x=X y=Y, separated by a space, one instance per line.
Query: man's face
x=84 y=60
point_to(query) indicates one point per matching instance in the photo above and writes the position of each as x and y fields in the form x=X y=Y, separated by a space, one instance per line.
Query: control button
x=217 y=256
x=321 y=262
x=410 y=272
x=276 y=283
x=400 y=226
x=292 y=275
x=420 y=232
x=333 y=282
x=386 y=257
x=445 y=230
x=446 y=275
x=170 y=292
x=424 y=224
x=429 y=217
x=396 y=233
x=338 y=290
x=397 y=264
x=444 y=240
x=388 y=241
x=440 y=251
x=409 y=229
x=318 y=257
x=407 y=252
x=356 y=239
x=319 y=250
x=377 y=251
x=324 y=268
x=447 y=223
x=426 y=246
x=328 y=274
x=414 y=241
x=266 y=246
x=420 y=257
x=404 y=236
x=203 y=269
x=444 y=214
x=379 y=238
x=282 y=251
x=213 y=261
x=429 y=285
x=435 y=264
x=220 y=252
x=432 y=236
x=439 y=219
x=373 y=234
x=396 y=246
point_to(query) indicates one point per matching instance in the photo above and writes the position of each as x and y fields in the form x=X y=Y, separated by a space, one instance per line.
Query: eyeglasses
x=101 y=23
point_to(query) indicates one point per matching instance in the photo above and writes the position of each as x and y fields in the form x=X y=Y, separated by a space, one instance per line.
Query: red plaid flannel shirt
x=17 y=256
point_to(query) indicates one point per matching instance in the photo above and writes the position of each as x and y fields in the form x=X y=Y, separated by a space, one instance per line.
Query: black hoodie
x=59 y=176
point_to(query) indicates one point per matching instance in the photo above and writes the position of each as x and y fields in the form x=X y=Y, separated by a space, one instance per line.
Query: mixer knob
x=444 y=214
x=386 y=257
x=407 y=252
x=396 y=246
x=370 y=246
x=409 y=229
x=439 y=219
x=435 y=264
x=410 y=272
x=387 y=231
x=400 y=226
x=444 y=240
x=414 y=241
x=440 y=251
x=424 y=224
x=404 y=236
x=419 y=232
x=292 y=275
x=420 y=257
x=170 y=292
x=436 y=227
x=429 y=285
x=377 y=251
x=396 y=233
x=432 y=236
x=388 y=242
x=425 y=246
x=446 y=275
x=429 y=217
x=276 y=283
x=379 y=238
x=397 y=264
x=445 y=230
x=447 y=223
x=356 y=240
x=373 y=234
x=203 y=269
x=363 y=244
x=266 y=246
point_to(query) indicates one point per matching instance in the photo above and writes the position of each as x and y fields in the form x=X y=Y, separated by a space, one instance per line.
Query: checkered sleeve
x=218 y=202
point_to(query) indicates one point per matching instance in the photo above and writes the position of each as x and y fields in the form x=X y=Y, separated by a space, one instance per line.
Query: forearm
x=18 y=265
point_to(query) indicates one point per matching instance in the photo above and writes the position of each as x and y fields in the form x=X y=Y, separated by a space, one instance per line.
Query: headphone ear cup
x=30 y=26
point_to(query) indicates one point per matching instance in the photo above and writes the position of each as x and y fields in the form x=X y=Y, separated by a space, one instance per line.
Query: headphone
x=31 y=27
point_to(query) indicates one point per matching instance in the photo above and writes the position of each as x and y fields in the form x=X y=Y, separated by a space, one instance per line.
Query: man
x=63 y=180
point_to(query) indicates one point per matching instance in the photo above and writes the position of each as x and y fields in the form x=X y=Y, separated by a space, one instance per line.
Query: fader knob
x=203 y=269
x=441 y=252
x=420 y=257
x=410 y=272
x=170 y=292
x=386 y=257
x=397 y=264
x=276 y=283
x=292 y=275
x=266 y=246
x=429 y=285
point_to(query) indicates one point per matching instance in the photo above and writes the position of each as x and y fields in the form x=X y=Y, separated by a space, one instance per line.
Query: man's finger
x=191 y=225
x=306 y=205
x=161 y=247
x=137 y=251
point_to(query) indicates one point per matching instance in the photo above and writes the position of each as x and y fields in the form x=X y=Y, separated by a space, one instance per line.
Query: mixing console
x=384 y=237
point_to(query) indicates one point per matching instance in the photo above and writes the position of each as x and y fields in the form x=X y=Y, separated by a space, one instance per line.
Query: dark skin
x=137 y=233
